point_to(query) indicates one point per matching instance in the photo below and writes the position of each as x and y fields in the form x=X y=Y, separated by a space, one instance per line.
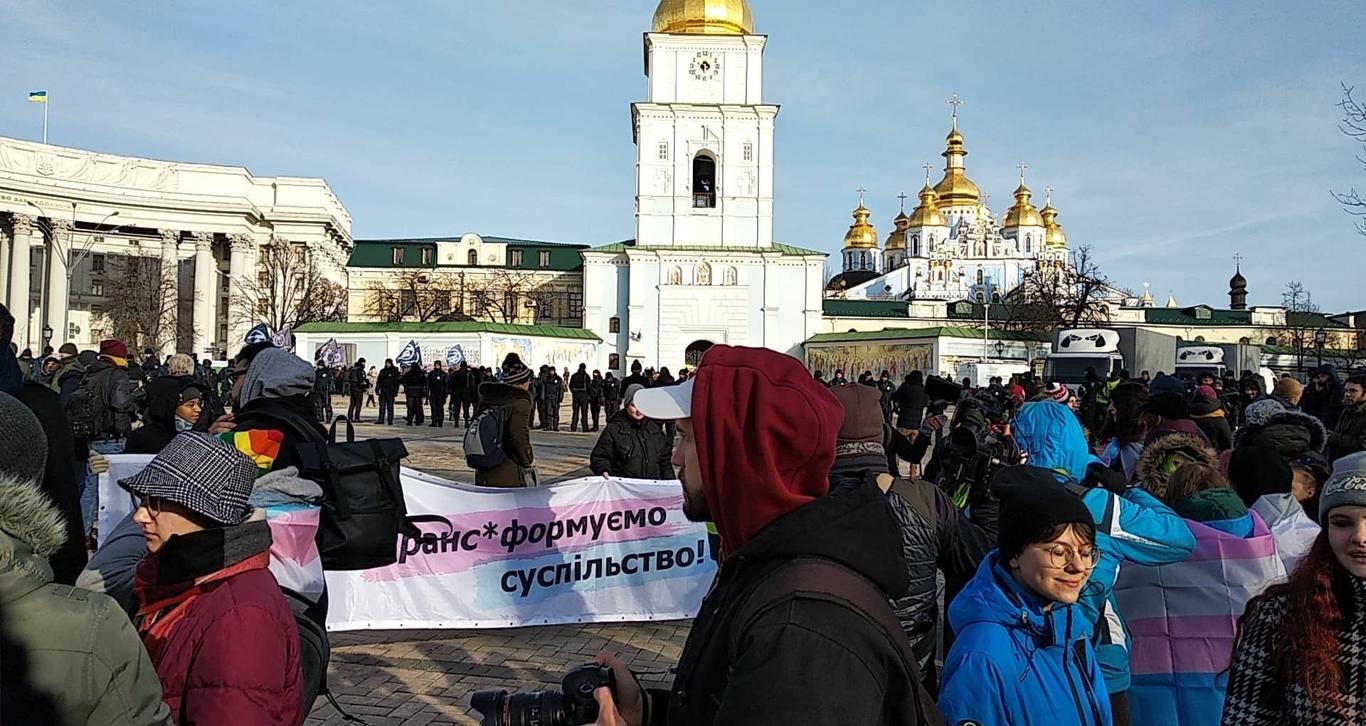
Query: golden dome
x=861 y=233
x=897 y=239
x=956 y=189
x=1023 y=214
x=704 y=17
x=1053 y=236
x=927 y=214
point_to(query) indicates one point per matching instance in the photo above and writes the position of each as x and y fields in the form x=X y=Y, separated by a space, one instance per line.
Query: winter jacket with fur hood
x=82 y=652
x=1289 y=433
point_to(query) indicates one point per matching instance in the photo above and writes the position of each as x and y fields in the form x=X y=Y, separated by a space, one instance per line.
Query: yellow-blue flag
x=38 y=96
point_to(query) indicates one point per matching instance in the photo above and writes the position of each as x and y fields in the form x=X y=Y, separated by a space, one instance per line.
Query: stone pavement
x=428 y=676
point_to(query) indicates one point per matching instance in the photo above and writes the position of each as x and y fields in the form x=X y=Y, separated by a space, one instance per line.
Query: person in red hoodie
x=213 y=618
x=797 y=628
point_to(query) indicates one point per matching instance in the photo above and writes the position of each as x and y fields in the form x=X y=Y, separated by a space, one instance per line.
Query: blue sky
x=1175 y=134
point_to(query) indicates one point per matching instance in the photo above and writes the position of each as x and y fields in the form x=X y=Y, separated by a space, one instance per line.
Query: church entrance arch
x=692 y=355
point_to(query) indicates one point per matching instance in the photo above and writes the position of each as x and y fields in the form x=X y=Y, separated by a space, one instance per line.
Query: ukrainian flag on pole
x=38 y=96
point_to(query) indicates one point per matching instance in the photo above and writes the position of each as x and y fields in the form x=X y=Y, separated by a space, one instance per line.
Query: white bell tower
x=704 y=140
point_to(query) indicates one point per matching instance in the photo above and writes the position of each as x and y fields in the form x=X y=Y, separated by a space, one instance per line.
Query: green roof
x=1205 y=315
x=969 y=310
x=466 y=326
x=380 y=253
x=783 y=249
x=865 y=308
x=943 y=331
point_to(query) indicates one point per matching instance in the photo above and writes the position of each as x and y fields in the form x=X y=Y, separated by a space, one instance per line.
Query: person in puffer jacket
x=1131 y=526
x=1183 y=616
x=1269 y=424
x=1023 y=655
x=935 y=536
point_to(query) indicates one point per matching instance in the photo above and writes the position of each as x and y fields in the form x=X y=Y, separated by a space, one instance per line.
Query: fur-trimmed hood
x=1149 y=471
x=1290 y=433
x=29 y=517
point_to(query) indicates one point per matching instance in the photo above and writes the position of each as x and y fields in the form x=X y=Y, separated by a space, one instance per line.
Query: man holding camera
x=797 y=627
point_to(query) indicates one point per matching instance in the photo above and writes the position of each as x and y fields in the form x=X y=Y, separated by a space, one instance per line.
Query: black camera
x=572 y=706
x=977 y=445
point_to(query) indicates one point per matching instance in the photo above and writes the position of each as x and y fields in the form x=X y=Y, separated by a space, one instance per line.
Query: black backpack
x=88 y=409
x=484 y=439
x=363 y=510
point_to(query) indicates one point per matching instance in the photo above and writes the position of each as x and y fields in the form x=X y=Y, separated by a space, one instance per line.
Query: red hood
x=765 y=438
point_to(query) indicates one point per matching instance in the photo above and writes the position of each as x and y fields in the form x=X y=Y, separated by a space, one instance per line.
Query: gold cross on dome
x=902 y=196
x=861 y=192
x=955 y=101
x=1048 y=196
x=1022 y=166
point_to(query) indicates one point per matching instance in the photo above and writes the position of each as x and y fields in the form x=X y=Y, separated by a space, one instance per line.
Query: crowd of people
x=1192 y=552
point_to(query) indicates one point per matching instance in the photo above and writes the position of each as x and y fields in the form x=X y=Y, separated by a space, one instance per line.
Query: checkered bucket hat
x=201 y=473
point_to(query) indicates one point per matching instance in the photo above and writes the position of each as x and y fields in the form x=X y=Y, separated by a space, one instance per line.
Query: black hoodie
x=163 y=397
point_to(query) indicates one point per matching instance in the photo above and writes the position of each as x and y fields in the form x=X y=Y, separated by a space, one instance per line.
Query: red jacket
x=224 y=645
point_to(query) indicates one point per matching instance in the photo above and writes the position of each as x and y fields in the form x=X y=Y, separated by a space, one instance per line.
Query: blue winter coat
x=1135 y=527
x=1014 y=663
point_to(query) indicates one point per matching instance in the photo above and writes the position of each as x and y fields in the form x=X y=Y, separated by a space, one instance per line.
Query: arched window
x=704 y=274
x=729 y=276
x=614 y=361
x=996 y=298
x=473 y=258
x=1029 y=243
x=676 y=275
x=980 y=298
x=915 y=245
x=704 y=181
x=1199 y=338
x=614 y=325
x=979 y=277
x=1244 y=341
x=1271 y=340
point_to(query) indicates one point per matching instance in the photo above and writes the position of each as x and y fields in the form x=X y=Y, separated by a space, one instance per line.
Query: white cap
x=666 y=403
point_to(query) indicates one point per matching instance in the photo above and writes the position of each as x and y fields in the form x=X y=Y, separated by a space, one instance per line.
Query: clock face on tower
x=705 y=66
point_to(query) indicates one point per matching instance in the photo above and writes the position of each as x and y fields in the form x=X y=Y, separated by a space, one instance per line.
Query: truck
x=1105 y=350
x=1196 y=359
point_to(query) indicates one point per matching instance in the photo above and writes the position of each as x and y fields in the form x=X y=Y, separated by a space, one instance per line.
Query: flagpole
x=45 y=104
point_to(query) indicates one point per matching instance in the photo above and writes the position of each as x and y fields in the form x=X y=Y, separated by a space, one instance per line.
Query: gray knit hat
x=631 y=392
x=23 y=445
x=202 y=474
x=1347 y=485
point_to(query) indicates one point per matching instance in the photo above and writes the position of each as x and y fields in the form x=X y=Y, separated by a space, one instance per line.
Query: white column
x=56 y=287
x=6 y=237
x=205 y=293
x=21 y=262
x=170 y=276
x=241 y=266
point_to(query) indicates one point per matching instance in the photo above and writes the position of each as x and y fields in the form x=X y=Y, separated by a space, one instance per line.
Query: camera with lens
x=573 y=705
x=978 y=443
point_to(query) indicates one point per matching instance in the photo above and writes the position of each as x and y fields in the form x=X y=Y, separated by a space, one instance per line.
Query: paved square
x=428 y=676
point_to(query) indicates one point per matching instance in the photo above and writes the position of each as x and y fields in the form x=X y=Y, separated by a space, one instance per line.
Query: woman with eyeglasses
x=1023 y=653
x=1182 y=616
x=1301 y=651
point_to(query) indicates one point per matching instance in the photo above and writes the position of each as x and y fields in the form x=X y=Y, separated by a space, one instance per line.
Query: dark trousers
x=386 y=410
x=467 y=404
x=357 y=402
x=550 y=415
x=595 y=405
x=322 y=407
x=438 y=410
x=579 y=402
x=415 y=414
x=1119 y=708
x=613 y=405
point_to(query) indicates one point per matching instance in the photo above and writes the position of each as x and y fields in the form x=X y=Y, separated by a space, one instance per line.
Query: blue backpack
x=484 y=439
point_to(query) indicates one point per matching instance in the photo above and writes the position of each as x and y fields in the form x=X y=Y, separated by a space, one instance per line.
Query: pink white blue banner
x=587 y=550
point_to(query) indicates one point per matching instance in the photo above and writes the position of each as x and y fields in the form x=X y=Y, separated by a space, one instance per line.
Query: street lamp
x=47 y=336
x=1000 y=349
x=1320 y=337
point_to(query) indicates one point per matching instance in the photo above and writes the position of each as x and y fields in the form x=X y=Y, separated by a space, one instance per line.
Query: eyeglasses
x=151 y=503
x=1060 y=555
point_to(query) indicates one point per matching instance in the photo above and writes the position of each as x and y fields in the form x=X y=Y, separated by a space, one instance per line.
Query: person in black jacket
x=632 y=446
x=271 y=390
x=437 y=388
x=414 y=389
x=1322 y=398
x=357 y=384
x=637 y=378
x=578 y=398
x=322 y=393
x=935 y=535
x=796 y=628
x=910 y=401
x=174 y=404
x=611 y=394
x=1207 y=411
x=387 y=383
x=595 y=399
x=461 y=399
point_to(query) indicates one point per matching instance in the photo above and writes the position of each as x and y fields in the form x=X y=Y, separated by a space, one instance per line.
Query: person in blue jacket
x=1023 y=653
x=1131 y=526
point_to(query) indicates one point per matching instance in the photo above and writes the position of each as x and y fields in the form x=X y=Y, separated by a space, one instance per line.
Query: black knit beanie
x=1029 y=514
x=514 y=370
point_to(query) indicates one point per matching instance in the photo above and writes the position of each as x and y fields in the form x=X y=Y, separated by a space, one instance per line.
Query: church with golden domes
x=951 y=246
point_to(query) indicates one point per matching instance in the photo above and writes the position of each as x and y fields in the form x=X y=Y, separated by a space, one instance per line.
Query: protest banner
x=581 y=551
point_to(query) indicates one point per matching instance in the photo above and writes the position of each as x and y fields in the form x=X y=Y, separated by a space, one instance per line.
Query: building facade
x=84 y=236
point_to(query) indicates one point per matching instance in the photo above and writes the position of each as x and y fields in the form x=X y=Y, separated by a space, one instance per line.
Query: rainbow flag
x=37 y=96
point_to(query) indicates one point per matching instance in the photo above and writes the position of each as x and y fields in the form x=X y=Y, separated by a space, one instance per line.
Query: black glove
x=1101 y=476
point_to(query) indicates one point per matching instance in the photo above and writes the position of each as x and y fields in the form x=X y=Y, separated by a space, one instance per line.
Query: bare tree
x=418 y=295
x=140 y=304
x=502 y=295
x=289 y=289
x=1353 y=124
x=1302 y=321
x=1069 y=296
